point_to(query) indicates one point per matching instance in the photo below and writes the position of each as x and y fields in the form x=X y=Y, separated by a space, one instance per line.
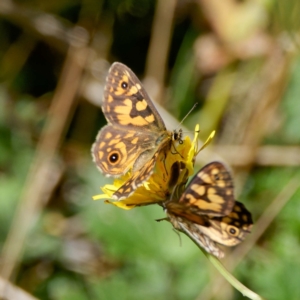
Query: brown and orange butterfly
x=207 y=211
x=135 y=133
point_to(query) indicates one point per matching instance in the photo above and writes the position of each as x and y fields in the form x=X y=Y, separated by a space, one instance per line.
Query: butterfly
x=135 y=134
x=207 y=211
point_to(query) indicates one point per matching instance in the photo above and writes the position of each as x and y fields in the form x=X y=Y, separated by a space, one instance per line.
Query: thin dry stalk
x=15 y=57
x=159 y=46
x=36 y=189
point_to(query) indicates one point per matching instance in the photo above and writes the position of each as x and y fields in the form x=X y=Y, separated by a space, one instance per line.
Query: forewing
x=126 y=102
x=210 y=192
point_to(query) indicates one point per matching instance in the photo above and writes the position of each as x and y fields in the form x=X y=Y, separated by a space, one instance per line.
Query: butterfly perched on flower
x=135 y=133
x=207 y=211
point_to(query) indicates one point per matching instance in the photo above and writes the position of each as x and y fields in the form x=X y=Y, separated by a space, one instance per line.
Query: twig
x=36 y=189
x=159 y=45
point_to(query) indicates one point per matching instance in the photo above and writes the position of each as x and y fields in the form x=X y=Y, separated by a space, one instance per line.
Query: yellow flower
x=161 y=183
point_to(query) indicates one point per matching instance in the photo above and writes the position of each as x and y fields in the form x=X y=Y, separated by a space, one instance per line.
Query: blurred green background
x=238 y=59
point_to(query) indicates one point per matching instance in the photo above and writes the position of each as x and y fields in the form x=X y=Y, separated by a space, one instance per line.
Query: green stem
x=230 y=278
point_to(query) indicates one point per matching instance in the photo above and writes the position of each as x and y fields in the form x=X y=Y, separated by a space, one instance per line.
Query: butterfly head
x=177 y=136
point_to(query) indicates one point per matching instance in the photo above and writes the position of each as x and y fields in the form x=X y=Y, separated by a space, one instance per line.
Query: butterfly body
x=207 y=211
x=135 y=133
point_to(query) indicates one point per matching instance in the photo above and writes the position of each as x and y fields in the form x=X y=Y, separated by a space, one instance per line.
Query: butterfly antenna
x=194 y=106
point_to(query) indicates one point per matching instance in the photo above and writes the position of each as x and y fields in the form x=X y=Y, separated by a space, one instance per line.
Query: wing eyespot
x=124 y=85
x=233 y=231
x=114 y=157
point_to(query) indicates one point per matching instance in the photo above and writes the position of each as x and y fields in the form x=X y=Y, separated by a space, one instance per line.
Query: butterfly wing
x=115 y=151
x=126 y=102
x=136 y=179
x=135 y=131
x=232 y=229
x=210 y=192
x=207 y=231
x=207 y=211
x=192 y=230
